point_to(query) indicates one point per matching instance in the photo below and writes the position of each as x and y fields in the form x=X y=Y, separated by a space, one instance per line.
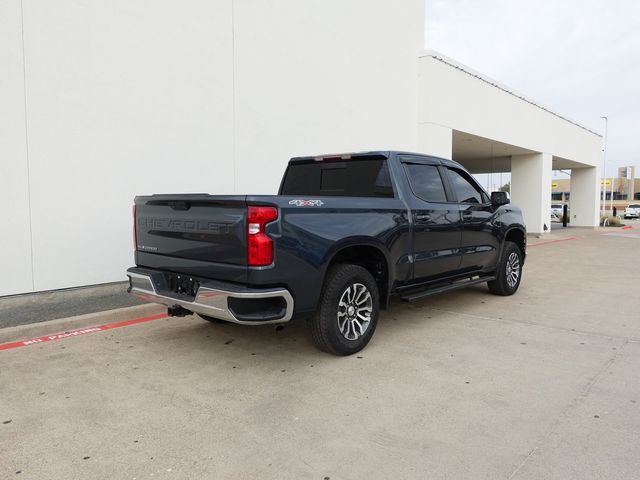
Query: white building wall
x=122 y=99
x=322 y=76
x=585 y=196
x=128 y=97
x=531 y=190
x=15 y=233
x=436 y=140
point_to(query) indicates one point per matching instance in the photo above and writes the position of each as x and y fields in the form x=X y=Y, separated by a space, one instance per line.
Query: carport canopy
x=488 y=128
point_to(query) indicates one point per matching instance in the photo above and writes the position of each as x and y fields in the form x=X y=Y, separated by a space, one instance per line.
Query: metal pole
x=604 y=198
x=604 y=166
x=611 y=199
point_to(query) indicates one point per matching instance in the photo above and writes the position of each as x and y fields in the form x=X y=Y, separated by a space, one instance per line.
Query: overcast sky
x=580 y=58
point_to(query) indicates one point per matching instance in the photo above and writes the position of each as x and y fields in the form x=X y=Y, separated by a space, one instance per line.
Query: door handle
x=423 y=217
x=466 y=215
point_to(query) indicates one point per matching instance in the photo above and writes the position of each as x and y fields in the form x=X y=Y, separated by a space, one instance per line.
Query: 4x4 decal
x=306 y=203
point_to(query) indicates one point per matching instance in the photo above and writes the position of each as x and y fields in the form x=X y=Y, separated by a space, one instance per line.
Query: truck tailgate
x=193 y=227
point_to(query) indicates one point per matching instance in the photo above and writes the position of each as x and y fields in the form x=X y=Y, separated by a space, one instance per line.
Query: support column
x=435 y=140
x=531 y=190
x=585 y=195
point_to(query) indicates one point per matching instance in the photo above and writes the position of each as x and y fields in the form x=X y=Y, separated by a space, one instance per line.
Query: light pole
x=603 y=189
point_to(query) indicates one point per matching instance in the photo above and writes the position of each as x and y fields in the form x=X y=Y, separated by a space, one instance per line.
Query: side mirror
x=499 y=198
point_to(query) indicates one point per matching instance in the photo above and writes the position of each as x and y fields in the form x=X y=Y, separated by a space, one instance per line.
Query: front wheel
x=509 y=271
x=348 y=311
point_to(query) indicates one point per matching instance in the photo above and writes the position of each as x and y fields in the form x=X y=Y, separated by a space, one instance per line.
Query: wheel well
x=370 y=258
x=517 y=236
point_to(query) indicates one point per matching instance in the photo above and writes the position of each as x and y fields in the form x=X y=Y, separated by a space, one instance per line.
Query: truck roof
x=370 y=154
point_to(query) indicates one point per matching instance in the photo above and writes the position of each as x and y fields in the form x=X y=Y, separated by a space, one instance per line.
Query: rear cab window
x=355 y=177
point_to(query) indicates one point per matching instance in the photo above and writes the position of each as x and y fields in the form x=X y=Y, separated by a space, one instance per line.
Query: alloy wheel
x=513 y=269
x=354 y=311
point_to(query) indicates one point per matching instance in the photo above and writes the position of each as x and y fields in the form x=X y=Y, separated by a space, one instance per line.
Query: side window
x=426 y=182
x=383 y=187
x=466 y=190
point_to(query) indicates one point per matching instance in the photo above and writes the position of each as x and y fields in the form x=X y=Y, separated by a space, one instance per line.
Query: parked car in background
x=557 y=209
x=632 y=211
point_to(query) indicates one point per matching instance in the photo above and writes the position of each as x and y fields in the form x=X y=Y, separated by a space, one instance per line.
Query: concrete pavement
x=466 y=385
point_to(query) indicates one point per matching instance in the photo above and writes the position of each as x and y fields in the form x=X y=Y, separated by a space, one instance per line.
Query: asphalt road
x=540 y=385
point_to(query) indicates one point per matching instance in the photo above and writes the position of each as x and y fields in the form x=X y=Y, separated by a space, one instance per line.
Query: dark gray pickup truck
x=344 y=234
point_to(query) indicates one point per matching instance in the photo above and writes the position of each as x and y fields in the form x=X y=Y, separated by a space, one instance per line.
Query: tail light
x=259 y=245
x=135 y=230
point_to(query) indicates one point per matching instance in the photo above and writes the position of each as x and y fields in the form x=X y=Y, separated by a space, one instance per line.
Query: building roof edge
x=494 y=83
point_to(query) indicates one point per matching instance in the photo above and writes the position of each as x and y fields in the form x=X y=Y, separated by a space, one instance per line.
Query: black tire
x=504 y=283
x=331 y=319
x=211 y=319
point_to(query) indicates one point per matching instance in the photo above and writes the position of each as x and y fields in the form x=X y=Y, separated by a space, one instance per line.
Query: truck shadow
x=294 y=339
x=220 y=338
x=403 y=316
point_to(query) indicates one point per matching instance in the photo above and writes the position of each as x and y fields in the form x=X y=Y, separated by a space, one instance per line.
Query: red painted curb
x=627 y=227
x=79 y=331
x=552 y=241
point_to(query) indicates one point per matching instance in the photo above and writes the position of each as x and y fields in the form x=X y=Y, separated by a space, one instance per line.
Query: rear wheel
x=348 y=311
x=509 y=272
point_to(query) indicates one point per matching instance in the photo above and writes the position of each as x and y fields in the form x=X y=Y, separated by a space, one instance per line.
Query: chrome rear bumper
x=209 y=300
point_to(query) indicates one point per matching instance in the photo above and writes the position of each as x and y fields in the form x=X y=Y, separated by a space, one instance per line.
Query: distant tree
x=506 y=187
